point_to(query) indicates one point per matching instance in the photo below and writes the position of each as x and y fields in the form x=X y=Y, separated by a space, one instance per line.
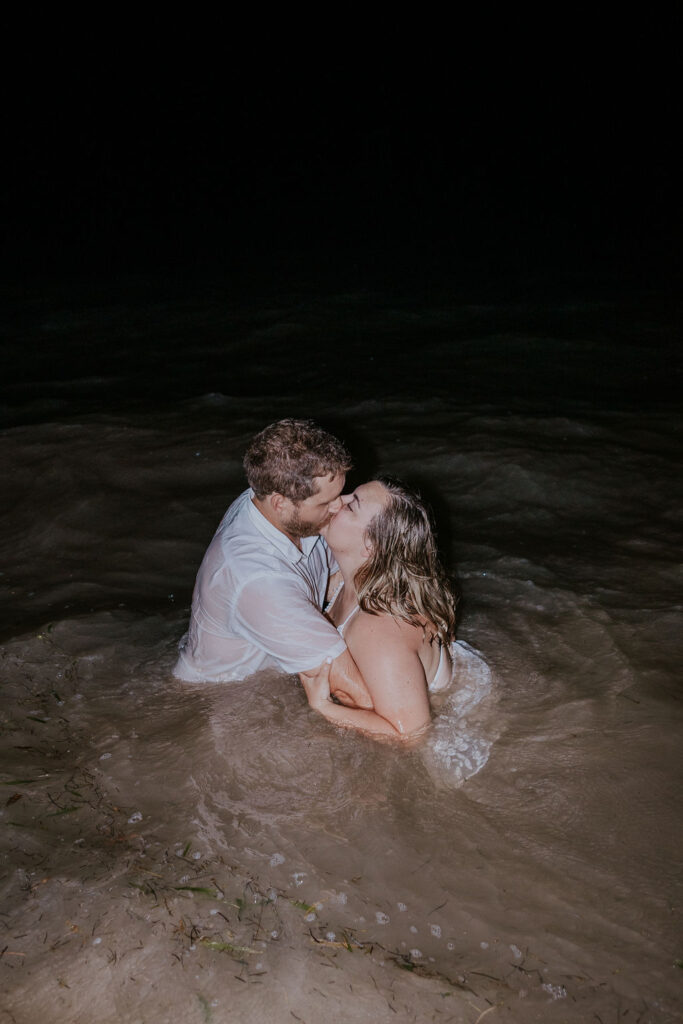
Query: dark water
x=543 y=427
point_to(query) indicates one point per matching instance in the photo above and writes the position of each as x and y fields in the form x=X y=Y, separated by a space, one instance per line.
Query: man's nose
x=335 y=505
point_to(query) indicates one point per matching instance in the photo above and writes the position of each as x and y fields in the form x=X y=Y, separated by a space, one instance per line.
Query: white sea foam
x=465 y=726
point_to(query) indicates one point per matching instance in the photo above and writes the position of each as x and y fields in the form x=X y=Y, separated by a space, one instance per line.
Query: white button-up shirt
x=257 y=602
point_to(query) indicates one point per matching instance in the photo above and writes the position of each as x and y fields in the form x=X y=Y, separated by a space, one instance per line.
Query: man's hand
x=339 y=679
x=316 y=683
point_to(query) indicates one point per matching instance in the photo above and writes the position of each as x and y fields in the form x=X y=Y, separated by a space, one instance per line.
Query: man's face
x=308 y=517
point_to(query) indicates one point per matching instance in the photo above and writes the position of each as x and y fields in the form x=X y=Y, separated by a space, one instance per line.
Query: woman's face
x=346 y=531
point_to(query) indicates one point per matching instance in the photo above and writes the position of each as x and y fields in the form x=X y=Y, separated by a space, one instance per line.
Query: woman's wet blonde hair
x=403 y=576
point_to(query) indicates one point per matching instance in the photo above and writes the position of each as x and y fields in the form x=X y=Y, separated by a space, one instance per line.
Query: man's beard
x=298 y=527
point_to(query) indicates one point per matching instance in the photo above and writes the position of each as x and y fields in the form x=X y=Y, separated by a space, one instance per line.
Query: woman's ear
x=368 y=548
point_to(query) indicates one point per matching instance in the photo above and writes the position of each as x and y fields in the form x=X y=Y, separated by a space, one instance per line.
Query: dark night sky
x=119 y=167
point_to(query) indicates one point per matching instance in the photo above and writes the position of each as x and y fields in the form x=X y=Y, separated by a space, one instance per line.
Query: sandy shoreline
x=109 y=925
x=135 y=932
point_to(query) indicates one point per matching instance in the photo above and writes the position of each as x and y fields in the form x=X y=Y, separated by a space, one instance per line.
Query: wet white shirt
x=257 y=602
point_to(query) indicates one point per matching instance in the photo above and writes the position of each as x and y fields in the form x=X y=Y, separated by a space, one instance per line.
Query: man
x=260 y=589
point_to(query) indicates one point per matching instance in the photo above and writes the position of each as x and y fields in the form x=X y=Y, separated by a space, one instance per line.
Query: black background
x=451 y=157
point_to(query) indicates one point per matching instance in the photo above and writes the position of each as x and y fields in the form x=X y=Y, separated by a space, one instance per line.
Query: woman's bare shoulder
x=386 y=652
x=387 y=628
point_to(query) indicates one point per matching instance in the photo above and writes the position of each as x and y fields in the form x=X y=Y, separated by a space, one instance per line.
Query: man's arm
x=275 y=617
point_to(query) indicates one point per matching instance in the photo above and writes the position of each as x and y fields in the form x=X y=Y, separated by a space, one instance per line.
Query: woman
x=393 y=605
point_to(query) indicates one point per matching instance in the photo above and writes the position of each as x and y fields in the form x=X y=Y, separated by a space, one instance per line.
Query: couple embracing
x=345 y=589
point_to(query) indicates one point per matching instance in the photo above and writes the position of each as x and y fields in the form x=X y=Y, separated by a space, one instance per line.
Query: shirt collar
x=276 y=537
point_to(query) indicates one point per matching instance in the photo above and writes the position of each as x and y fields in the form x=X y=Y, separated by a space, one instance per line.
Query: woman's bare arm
x=385 y=653
x=347 y=683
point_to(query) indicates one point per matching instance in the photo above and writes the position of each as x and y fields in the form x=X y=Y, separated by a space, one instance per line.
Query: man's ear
x=277 y=502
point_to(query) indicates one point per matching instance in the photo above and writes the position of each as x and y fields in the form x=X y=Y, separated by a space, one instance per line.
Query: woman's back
x=434 y=657
x=354 y=626
x=395 y=658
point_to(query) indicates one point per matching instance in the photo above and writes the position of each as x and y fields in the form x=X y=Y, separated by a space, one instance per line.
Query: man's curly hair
x=287 y=456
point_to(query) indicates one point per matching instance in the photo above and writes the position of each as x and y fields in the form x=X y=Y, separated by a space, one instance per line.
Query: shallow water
x=165 y=820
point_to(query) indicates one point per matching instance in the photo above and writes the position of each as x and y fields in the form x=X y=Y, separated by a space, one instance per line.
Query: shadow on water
x=359 y=443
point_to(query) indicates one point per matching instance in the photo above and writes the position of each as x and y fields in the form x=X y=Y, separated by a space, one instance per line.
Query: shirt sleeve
x=277 y=617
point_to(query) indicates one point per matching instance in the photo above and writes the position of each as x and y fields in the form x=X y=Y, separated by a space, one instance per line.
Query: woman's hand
x=316 y=683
